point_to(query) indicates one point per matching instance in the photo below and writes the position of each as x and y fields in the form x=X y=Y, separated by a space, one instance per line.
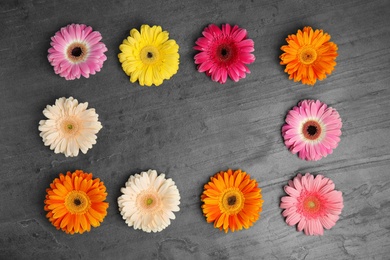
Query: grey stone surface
x=191 y=127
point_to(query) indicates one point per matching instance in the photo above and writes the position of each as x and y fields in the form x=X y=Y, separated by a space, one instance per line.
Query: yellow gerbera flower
x=149 y=56
x=309 y=55
x=232 y=200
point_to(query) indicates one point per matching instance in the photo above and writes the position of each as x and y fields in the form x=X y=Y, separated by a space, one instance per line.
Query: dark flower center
x=311 y=130
x=150 y=55
x=224 y=52
x=77 y=202
x=76 y=52
x=232 y=200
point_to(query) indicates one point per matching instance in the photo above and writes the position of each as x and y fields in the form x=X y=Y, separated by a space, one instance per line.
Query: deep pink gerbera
x=312 y=130
x=313 y=203
x=76 y=50
x=224 y=52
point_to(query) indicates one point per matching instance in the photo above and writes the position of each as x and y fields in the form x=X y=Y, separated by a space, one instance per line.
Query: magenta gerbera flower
x=224 y=52
x=312 y=130
x=76 y=50
x=313 y=203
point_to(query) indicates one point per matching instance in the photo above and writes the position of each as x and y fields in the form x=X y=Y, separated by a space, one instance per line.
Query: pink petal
x=293 y=219
x=327 y=222
x=302 y=224
x=240 y=35
x=205 y=66
x=223 y=75
x=291 y=191
x=318 y=228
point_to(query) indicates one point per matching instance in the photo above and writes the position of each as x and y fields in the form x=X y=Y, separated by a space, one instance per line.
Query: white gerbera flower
x=70 y=127
x=148 y=201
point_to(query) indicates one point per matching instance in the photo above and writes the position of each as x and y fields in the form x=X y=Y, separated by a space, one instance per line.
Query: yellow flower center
x=69 y=126
x=149 y=55
x=311 y=204
x=77 y=202
x=77 y=52
x=312 y=130
x=148 y=201
x=307 y=55
x=231 y=201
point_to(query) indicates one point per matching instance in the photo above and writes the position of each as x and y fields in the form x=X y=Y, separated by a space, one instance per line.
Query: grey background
x=191 y=128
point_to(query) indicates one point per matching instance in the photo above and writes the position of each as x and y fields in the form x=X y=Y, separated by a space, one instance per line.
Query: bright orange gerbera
x=232 y=200
x=309 y=55
x=75 y=201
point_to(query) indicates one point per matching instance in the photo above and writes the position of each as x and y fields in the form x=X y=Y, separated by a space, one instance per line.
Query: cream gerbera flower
x=148 y=201
x=70 y=127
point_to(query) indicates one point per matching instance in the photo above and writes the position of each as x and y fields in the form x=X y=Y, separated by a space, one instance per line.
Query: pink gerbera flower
x=224 y=52
x=76 y=50
x=313 y=203
x=312 y=130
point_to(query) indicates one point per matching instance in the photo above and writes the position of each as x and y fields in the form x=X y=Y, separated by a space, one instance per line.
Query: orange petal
x=76 y=223
x=70 y=223
x=65 y=221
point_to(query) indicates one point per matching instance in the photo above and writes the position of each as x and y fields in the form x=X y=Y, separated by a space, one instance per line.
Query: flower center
x=231 y=201
x=226 y=53
x=311 y=130
x=77 y=52
x=149 y=55
x=69 y=126
x=77 y=202
x=148 y=201
x=307 y=55
x=311 y=204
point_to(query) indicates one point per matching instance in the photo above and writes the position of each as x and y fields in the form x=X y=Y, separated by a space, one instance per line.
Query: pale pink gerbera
x=224 y=52
x=312 y=130
x=76 y=50
x=313 y=203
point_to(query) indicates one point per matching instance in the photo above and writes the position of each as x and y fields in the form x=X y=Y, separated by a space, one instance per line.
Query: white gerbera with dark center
x=148 y=201
x=69 y=127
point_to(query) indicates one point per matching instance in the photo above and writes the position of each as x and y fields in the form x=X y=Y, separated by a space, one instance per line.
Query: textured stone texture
x=191 y=127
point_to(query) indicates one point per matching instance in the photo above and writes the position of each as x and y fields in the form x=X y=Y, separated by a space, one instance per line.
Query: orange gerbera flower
x=309 y=55
x=232 y=200
x=75 y=201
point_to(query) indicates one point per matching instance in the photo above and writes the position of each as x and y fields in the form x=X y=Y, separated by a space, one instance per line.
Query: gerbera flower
x=149 y=56
x=75 y=202
x=309 y=55
x=312 y=130
x=76 y=50
x=224 y=52
x=313 y=203
x=232 y=200
x=70 y=127
x=148 y=201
